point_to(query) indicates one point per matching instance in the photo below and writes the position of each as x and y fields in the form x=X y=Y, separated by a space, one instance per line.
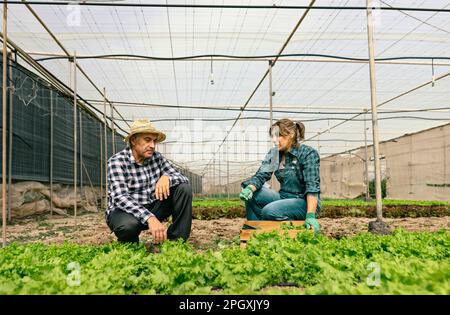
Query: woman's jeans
x=267 y=204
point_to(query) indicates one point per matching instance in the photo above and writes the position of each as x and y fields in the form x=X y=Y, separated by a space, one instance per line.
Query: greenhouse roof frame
x=426 y=12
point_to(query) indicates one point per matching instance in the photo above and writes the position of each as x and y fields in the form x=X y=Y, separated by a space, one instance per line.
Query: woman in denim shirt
x=296 y=167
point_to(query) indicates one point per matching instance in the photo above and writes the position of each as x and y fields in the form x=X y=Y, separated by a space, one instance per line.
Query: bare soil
x=91 y=229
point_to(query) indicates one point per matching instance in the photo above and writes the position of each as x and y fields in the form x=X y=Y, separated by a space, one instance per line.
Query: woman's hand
x=247 y=193
x=311 y=223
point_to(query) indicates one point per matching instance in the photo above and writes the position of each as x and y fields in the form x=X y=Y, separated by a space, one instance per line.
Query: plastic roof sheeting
x=315 y=90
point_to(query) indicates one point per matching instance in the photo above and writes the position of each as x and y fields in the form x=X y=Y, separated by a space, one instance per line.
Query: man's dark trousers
x=179 y=204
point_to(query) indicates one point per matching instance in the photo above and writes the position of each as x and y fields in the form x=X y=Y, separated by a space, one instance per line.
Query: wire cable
x=119 y=103
x=208 y=57
x=212 y=6
x=417 y=19
x=303 y=120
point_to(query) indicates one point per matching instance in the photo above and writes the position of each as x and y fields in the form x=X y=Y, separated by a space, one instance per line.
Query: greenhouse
x=225 y=147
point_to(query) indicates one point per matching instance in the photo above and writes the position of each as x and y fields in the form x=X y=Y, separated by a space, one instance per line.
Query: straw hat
x=144 y=126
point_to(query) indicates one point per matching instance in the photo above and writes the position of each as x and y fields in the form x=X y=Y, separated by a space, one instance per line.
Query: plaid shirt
x=304 y=160
x=132 y=186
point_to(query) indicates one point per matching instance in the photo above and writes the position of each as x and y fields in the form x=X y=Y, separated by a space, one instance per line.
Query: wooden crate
x=267 y=226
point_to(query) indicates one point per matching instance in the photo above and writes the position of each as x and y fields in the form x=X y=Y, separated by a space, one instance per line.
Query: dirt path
x=92 y=229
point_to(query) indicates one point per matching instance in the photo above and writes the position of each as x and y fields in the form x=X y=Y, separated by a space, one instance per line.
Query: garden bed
x=92 y=229
x=402 y=263
x=334 y=211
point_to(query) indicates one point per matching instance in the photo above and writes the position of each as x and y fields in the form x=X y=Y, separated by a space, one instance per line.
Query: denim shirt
x=299 y=176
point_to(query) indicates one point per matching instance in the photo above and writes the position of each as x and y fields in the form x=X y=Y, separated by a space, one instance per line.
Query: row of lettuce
x=235 y=202
x=401 y=263
x=205 y=209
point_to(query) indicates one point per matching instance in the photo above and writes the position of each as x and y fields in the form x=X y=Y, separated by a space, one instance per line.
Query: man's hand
x=162 y=190
x=311 y=222
x=246 y=193
x=157 y=230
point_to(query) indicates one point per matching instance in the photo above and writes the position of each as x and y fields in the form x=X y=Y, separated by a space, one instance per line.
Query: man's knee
x=184 y=189
x=128 y=230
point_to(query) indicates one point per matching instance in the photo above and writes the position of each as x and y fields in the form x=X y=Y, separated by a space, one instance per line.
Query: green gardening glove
x=312 y=222
x=246 y=194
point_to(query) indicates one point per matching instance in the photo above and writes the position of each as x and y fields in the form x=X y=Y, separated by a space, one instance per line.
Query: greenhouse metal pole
x=228 y=172
x=242 y=150
x=70 y=75
x=209 y=178
x=11 y=95
x=105 y=135
x=218 y=177
x=4 y=101
x=197 y=184
x=75 y=144
x=272 y=179
x=373 y=97
x=101 y=165
x=214 y=177
x=366 y=161
x=112 y=130
x=211 y=174
x=51 y=152
x=270 y=93
x=81 y=156
x=220 y=174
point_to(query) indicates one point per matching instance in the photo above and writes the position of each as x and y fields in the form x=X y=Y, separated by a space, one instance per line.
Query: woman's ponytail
x=300 y=131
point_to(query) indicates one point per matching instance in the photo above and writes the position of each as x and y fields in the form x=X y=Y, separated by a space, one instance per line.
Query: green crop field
x=401 y=263
x=332 y=208
x=325 y=202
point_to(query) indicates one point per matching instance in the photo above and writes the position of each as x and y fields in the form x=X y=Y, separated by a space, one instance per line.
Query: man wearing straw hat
x=144 y=189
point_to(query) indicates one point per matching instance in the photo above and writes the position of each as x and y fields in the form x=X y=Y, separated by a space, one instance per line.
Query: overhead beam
x=223 y=6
